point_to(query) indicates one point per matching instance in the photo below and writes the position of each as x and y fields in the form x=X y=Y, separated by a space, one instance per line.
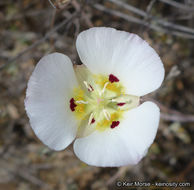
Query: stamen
x=81 y=102
x=88 y=86
x=113 y=78
x=72 y=104
x=114 y=124
x=104 y=88
x=106 y=114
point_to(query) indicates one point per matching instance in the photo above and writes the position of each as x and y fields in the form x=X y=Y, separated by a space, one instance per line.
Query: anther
x=114 y=124
x=113 y=78
x=72 y=104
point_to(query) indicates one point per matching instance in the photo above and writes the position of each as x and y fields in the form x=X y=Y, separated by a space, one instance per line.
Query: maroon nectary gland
x=114 y=124
x=113 y=78
x=93 y=120
x=72 y=104
x=121 y=104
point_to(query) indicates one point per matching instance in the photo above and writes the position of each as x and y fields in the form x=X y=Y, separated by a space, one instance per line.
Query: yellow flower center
x=99 y=102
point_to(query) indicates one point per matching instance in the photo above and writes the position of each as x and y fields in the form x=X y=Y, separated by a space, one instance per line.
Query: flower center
x=99 y=102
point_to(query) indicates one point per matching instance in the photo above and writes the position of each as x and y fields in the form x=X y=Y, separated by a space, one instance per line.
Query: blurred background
x=31 y=29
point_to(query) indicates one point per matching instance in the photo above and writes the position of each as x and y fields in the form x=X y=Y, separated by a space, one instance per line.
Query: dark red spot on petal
x=121 y=104
x=113 y=78
x=93 y=120
x=72 y=104
x=114 y=124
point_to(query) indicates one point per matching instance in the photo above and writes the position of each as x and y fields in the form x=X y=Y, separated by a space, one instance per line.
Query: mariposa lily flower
x=97 y=103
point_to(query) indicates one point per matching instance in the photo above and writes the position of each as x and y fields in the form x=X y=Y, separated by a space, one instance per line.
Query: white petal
x=123 y=145
x=47 y=101
x=126 y=55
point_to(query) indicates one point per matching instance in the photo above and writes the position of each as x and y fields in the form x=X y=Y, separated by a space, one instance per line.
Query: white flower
x=97 y=103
